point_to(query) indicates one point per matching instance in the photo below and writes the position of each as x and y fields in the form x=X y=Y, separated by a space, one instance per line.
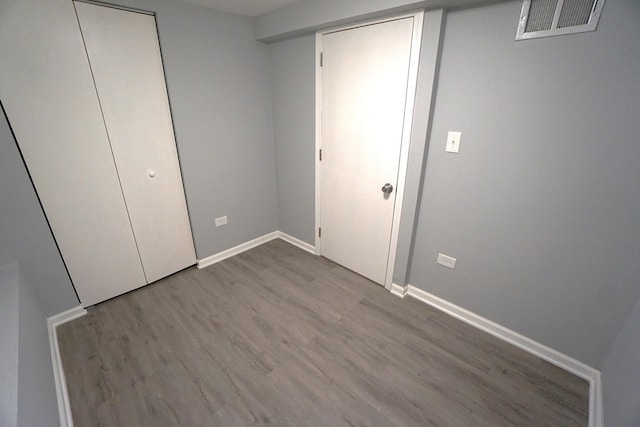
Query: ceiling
x=242 y=7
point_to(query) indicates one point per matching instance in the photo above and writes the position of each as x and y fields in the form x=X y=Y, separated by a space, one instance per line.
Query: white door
x=364 y=84
x=124 y=55
x=47 y=89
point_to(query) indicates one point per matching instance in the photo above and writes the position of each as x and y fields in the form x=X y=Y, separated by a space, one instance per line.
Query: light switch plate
x=221 y=221
x=453 y=142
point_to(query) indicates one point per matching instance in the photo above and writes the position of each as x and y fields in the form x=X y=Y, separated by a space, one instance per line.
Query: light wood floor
x=278 y=336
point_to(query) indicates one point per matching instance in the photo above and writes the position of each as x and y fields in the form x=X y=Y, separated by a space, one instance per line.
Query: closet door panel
x=51 y=103
x=125 y=59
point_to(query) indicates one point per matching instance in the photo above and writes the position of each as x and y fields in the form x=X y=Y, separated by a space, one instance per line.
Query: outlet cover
x=221 y=221
x=447 y=261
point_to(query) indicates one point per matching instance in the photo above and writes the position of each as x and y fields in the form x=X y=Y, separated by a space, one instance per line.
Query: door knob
x=387 y=188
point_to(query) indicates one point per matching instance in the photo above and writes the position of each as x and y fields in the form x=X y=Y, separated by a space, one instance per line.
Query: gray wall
x=37 y=401
x=621 y=376
x=24 y=234
x=43 y=288
x=293 y=98
x=27 y=387
x=9 y=302
x=219 y=88
x=541 y=205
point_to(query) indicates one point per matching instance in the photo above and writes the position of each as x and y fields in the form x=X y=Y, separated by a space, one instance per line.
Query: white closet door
x=124 y=54
x=50 y=99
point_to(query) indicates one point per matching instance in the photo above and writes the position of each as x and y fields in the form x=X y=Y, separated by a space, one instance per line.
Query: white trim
x=540 y=350
x=221 y=256
x=371 y=21
x=414 y=59
x=296 y=242
x=398 y=290
x=596 y=410
x=412 y=87
x=318 y=136
x=64 y=406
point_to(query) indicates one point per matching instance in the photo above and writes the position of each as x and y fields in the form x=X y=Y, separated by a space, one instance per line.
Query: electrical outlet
x=221 y=221
x=447 y=261
x=453 y=142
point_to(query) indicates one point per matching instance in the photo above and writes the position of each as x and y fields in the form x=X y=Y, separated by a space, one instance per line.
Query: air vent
x=545 y=18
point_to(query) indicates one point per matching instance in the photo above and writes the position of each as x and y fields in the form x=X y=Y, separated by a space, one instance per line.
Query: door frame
x=416 y=40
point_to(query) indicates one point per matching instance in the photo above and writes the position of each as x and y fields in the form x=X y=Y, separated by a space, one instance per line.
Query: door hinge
x=319 y=231
x=321 y=59
x=321 y=154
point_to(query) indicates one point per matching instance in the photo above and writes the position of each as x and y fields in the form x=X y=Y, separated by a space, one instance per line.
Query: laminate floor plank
x=278 y=336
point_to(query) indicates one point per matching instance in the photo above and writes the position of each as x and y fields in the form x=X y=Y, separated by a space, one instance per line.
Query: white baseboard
x=64 y=407
x=221 y=256
x=540 y=350
x=398 y=290
x=596 y=409
x=296 y=242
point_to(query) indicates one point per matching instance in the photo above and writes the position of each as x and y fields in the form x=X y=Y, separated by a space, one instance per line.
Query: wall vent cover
x=545 y=18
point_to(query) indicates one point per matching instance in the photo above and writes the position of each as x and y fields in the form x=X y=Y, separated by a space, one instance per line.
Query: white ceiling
x=242 y=7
